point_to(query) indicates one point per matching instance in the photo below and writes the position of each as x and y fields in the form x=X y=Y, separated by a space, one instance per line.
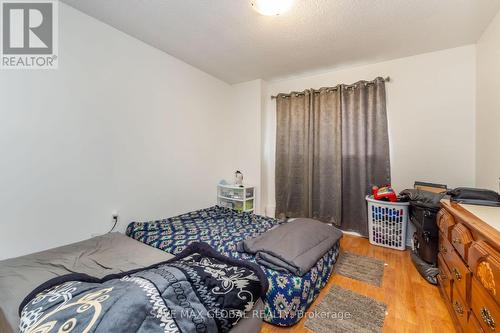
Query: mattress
x=99 y=256
x=288 y=297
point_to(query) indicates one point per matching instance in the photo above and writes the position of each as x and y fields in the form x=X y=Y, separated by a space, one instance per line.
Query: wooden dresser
x=469 y=266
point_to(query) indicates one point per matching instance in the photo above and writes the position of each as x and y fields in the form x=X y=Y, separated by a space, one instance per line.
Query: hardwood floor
x=413 y=305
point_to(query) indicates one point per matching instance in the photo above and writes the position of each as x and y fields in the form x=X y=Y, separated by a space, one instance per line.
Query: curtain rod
x=386 y=79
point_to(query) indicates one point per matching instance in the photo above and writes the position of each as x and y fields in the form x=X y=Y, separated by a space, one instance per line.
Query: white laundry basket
x=387 y=223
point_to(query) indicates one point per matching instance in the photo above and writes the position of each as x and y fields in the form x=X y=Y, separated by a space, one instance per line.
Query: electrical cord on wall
x=115 y=219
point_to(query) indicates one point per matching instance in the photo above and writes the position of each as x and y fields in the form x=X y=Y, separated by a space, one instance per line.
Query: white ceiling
x=229 y=40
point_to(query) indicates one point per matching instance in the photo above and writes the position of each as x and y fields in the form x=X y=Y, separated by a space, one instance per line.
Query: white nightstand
x=240 y=198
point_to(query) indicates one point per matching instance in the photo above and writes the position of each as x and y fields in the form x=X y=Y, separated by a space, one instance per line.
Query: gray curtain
x=308 y=155
x=365 y=149
x=332 y=145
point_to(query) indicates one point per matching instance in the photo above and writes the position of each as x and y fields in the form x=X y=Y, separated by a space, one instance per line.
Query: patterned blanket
x=197 y=291
x=288 y=296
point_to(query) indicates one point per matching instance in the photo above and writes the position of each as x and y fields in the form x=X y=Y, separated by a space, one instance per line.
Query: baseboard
x=353 y=233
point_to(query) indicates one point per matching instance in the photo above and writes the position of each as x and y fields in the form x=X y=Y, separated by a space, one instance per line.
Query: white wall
x=430 y=105
x=488 y=108
x=246 y=155
x=119 y=126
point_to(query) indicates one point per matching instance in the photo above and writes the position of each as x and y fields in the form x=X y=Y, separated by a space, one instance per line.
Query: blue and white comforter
x=198 y=291
x=288 y=296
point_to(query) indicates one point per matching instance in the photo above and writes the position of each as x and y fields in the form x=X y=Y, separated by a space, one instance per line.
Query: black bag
x=475 y=196
x=426 y=270
x=425 y=238
x=424 y=207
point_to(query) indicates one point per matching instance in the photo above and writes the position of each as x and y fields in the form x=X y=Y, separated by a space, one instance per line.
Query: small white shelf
x=234 y=199
x=240 y=198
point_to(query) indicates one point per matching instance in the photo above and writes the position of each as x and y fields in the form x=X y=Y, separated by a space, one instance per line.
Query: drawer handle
x=458 y=276
x=458 y=308
x=457 y=241
x=444 y=249
x=487 y=318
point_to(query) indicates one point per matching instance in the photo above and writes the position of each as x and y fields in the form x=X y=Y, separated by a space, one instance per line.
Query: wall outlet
x=114 y=217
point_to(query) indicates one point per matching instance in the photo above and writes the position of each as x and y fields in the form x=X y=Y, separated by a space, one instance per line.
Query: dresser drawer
x=484 y=307
x=484 y=262
x=460 y=274
x=445 y=279
x=461 y=238
x=445 y=221
x=460 y=308
x=444 y=245
x=473 y=325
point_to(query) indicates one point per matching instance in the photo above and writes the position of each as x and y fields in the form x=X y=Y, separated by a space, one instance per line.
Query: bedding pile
x=293 y=247
x=197 y=291
x=224 y=229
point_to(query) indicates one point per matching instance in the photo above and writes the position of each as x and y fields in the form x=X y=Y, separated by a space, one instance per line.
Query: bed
x=288 y=296
x=100 y=256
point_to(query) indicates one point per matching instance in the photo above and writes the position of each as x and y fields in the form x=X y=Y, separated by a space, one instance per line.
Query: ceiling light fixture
x=271 y=7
